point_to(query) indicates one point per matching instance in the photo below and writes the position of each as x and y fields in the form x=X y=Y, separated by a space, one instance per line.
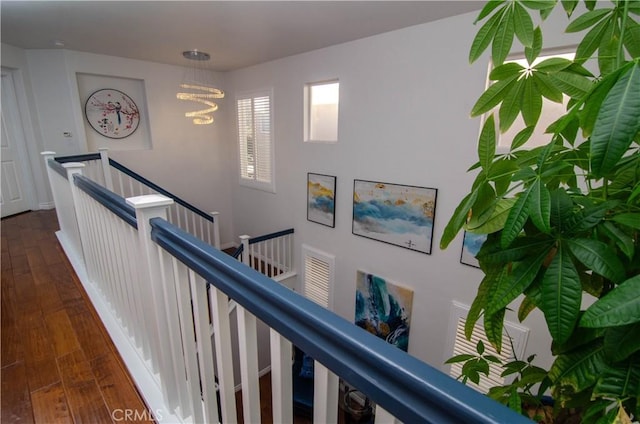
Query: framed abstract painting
x=321 y=199
x=396 y=214
x=471 y=244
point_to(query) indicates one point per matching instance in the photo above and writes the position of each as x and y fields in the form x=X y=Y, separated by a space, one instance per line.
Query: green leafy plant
x=563 y=219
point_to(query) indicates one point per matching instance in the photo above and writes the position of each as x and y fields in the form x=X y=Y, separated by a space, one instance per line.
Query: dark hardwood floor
x=58 y=363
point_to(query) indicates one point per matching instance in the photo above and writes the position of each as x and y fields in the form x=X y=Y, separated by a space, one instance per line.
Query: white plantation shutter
x=464 y=346
x=255 y=140
x=317 y=276
x=459 y=345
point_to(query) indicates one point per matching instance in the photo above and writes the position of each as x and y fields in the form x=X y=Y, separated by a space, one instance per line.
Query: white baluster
x=281 y=378
x=216 y=229
x=248 y=346
x=383 y=417
x=244 y=239
x=325 y=395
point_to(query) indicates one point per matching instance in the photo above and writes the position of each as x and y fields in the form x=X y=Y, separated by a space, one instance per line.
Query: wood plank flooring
x=58 y=363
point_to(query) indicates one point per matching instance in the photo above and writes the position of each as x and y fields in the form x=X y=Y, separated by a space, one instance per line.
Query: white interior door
x=14 y=178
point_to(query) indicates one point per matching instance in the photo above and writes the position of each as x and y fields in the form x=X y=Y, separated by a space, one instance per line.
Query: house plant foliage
x=562 y=219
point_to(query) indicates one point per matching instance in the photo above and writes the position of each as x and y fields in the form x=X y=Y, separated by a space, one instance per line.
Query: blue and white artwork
x=321 y=199
x=396 y=214
x=383 y=309
x=471 y=244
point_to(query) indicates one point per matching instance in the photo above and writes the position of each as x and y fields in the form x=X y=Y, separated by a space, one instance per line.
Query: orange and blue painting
x=321 y=199
x=383 y=309
x=396 y=214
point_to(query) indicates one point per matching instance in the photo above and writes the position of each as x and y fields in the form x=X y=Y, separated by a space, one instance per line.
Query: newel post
x=155 y=310
x=72 y=218
x=244 y=240
x=106 y=168
x=216 y=229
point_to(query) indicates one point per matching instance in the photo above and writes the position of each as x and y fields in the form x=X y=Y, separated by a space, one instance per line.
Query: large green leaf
x=591 y=108
x=617 y=123
x=510 y=286
x=531 y=102
x=623 y=240
x=572 y=84
x=458 y=219
x=539 y=206
x=503 y=40
x=580 y=369
x=510 y=107
x=523 y=25
x=484 y=36
x=495 y=221
x=518 y=250
x=632 y=37
x=531 y=53
x=546 y=88
x=487 y=9
x=621 y=306
x=561 y=296
x=553 y=65
x=517 y=217
x=629 y=219
x=487 y=143
x=620 y=342
x=493 y=96
x=505 y=71
x=608 y=50
x=587 y=20
x=598 y=257
x=619 y=381
x=590 y=42
x=493 y=326
x=561 y=208
x=522 y=137
x=539 y=4
x=480 y=302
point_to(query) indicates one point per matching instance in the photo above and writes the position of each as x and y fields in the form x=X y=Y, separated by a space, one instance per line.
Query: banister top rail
x=78 y=158
x=159 y=189
x=236 y=254
x=108 y=199
x=270 y=236
x=406 y=387
x=57 y=166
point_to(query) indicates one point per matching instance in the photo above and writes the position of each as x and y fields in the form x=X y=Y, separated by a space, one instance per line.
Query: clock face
x=112 y=113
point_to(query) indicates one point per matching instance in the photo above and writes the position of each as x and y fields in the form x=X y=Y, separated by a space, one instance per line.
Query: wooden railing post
x=106 y=168
x=148 y=207
x=216 y=229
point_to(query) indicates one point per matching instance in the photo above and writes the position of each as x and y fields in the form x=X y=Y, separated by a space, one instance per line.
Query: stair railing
x=157 y=288
x=271 y=254
x=127 y=183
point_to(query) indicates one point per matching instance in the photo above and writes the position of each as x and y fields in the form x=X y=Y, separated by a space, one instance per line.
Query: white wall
x=405 y=98
x=186 y=159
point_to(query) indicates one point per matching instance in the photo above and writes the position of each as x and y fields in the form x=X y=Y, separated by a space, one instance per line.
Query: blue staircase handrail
x=57 y=166
x=270 y=236
x=137 y=177
x=108 y=199
x=408 y=388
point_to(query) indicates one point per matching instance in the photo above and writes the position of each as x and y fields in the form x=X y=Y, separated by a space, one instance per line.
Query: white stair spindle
x=383 y=417
x=247 y=341
x=281 y=378
x=325 y=395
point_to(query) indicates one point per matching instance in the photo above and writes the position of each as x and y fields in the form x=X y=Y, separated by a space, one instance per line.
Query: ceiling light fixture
x=199 y=87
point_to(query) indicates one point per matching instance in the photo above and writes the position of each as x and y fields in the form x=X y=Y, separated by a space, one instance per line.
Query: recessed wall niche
x=114 y=112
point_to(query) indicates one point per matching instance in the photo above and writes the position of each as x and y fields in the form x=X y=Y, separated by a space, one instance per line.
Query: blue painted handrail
x=137 y=177
x=238 y=251
x=78 y=158
x=108 y=199
x=270 y=236
x=57 y=166
x=159 y=189
x=411 y=390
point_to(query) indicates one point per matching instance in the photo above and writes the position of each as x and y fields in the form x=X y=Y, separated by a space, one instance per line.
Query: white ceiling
x=236 y=33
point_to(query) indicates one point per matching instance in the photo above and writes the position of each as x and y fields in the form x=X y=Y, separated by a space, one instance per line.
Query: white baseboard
x=47 y=205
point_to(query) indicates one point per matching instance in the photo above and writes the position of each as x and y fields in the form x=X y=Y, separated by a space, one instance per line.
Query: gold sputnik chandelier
x=198 y=88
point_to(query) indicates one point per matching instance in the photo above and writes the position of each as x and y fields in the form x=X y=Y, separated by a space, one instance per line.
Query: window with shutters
x=321 y=111
x=317 y=276
x=255 y=140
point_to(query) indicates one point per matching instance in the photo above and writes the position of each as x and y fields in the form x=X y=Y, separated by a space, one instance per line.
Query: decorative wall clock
x=112 y=113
